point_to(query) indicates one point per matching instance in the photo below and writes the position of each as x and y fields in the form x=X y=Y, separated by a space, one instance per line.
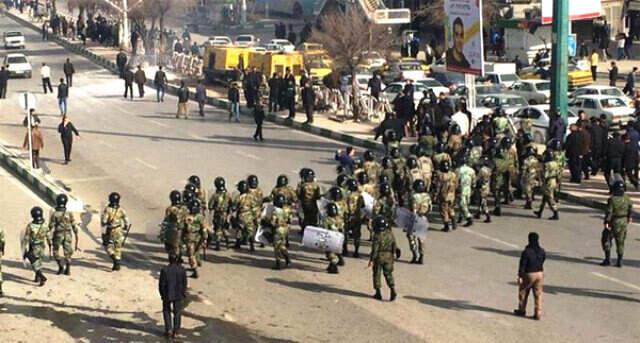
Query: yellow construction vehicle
x=219 y=62
x=276 y=62
x=316 y=60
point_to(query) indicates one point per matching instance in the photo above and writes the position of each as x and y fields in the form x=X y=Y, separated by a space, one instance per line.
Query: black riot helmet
x=220 y=183
x=282 y=181
x=61 y=201
x=383 y=179
x=279 y=200
x=454 y=129
x=527 y=138
x=303 y=172
x=188 y=197
x=421 y=151
x=195 y=180
x=194 y=207
x=426 y=130
x=380 y=224
x=243 y=187
x=385 y=189
x=369 y=156
x=114 y=199
x=555 y=144
x=617 y=188
x=486 y=161
x=310 y=176
x=190 y=187
x=175 y=197
x=352 y=185
x=462 y=159
x=394 y=152
x=340 y=169
x=445 y=166
x=252 y=181
x=413 y=149
x=419 y=186
x=36 y=215
x=357 y=163
x=412 y=163
x=507 y=142
x=386 y=163
x=341 y=180
x=531 y=151
x=332 y=209
x=363 y=178
x=440 y=147
x=336 y=193
x=548 y=156
x=392 y=135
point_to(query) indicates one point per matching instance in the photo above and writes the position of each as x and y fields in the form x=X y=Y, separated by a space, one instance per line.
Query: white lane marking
x=22 y=187
x=196 y=136
x=497 y=240
x=618 y=281
x=108 y=145
x=248 y=155
x=146 y=164
x=89 y=179
x=155 y=122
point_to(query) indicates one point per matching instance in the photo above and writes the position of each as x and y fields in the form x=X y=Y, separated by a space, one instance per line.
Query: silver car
x=535 y=91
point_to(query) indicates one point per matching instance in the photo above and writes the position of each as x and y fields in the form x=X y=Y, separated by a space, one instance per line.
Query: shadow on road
x=457 y=305
x=317 y=288
x=587 y=292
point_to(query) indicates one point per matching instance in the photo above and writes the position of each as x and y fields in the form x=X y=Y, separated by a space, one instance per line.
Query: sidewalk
x=594 y=192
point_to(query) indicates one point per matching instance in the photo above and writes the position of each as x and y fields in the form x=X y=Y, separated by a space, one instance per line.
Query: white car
x=539 y=115
x=13 y=39
x=504 y=79
x=600 y=90
x=282 y=44
x=372 y=60
x=392 y=90
x=431 y=83
x=363 y=82
x=220 y=41
x=535 y=91
x=404 y=70
x=247 y=40
x=18 y=65
x=615 y=108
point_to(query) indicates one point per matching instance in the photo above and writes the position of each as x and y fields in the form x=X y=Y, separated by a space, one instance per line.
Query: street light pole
x=125 y=26
x=559 y=58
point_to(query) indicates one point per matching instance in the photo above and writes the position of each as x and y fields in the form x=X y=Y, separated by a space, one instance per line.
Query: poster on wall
x=578 y=10
x=463 y=19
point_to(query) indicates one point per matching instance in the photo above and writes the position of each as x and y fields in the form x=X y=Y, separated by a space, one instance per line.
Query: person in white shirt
x=45 y=73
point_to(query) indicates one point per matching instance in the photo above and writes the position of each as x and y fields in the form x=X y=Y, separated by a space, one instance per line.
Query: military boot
x=527 y=205
x=276 y=266
x=251 y=246
x=555 y=216
x=538 y=213
x=67 y=268
x=116 y=265
x=226 y=242
x=1 y=294
x=607 y=260
x=195 y=273
x=469 y=222
x=488 y=218
x=414 y=259
x=393 y=294
x=237 y=244
x=497 y=211
x=619 y=262
x=217 y=247
x=42 y=279
x=446 y=227
x=60 y=267
x=421 y=259
x=287 y=260
x=333 y=269
x=477 y=215
x=340 y=260
x=454 y=225
x=378 y=295
x=355 y=250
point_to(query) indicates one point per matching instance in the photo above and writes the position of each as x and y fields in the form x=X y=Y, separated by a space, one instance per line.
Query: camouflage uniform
x=530 y=172
x=289 y=194
x=426 y=165
x=501 y=179
x=372 y=168
x=309 y=193
x=500 y=124
x=447 y=183
x=244 y=212
x=115 y=221
x=280 y=222
x=474 y=155
x=413 y=175
x=483 y=187
x=194 y=235
x=385 y=206
x=353 y=220
x=441 y=157
x=383 y=248
x=170 y=233
x=333 y=224
x=257 y=196
x=400 y=179
x=616 y=219
x=427 y=142
x=561 y=160
x=62 y=223
x=220 y=206
x=34 y=239
x=466 y=181
x=421 y=206
x=550 y=172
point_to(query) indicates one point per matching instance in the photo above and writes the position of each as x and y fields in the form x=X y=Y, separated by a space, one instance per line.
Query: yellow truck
x=220 y=61
x=316 y=60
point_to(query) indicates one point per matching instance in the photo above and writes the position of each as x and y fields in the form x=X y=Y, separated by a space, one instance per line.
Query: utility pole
x=560 y=57
x=124 y=41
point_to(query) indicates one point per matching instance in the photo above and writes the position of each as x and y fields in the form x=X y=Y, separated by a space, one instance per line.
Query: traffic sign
x=27 y=101
x=573 y=45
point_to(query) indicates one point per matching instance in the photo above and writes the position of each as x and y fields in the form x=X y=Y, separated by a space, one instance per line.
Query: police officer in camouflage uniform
x=617 y=217
x=220 y=207
x=2 y=243
x=400 y=175
x=200 y=192
x=258 y=197
x=371 y=166
x=441 y=155
x=530 y=173
x=426 y=165
x=243 y=208
x=446 y=185
x=354 y=217
x=336 y=195
x=115 y=224
x=421 y=205
x=280 y=223
x=171 y=224
x=333 y=222
x=194 y=235
x=308 y=194
x=500 y=179
x=385 y=205
x=36 y=234
x=466 y=181
x=383 y=248
x=483 y=188
x=61 y=224
x=550 y=173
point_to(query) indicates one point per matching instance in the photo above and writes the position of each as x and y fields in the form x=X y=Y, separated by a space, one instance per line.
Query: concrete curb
x=588 y=202
x=42 y=184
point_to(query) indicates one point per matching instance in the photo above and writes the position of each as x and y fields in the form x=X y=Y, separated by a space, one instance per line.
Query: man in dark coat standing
x=4 y=81
x=173 y=290
x=69 y=70
x=275 y=86
x=375 y=86
x=573 y=150
x=597 y=146
x=121 y=62
x=308 y=101
x=141 y=79
x=66 y=131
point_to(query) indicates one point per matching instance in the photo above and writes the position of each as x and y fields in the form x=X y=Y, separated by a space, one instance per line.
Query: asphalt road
x=464 y=293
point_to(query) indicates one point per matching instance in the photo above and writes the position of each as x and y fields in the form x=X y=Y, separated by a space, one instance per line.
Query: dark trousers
x=141 y=89
x=36 y=158
x=250 y=96
x=291 y=104
x=575 y=167
x=201 y=107
x=273 y=103
x=170 y=308
x=3 y=91
x=631 y=174
x=66 y=145
x=594 y=72
x=128 y=90
x=46 y=84
x=69 y=78
x=258 y=133
x=308 y=110
x=586 y=165
x=613 y=165
x=121 y=71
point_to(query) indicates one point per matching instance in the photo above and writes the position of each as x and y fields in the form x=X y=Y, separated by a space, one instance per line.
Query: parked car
x=282 y=44
x=371 y=60
x=399 y=71
x=539 y=115
x=13 y=39
x=18 y=65
x=600 y=90
x=392 y=90
x=448 y=79
x=510 y=103
x=503 y=79
x=431 y=83
x=247 y=40
x=615 y=108
x=535 y=91
x=219 y=41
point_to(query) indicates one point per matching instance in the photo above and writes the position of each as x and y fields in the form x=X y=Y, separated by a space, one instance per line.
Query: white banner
x=464 y=36
x=578 y=10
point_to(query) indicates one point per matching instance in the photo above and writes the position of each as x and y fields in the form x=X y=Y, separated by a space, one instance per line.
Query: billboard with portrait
x=463 y=19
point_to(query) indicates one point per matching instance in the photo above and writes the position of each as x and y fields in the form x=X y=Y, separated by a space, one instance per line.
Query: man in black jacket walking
x=173 y=290
x=4 y=81
x=258 y=116
x=69 y=70
x=308 y=101
x=530 y=276
x=121 y=62
x=66 y=131
x=128 y=77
